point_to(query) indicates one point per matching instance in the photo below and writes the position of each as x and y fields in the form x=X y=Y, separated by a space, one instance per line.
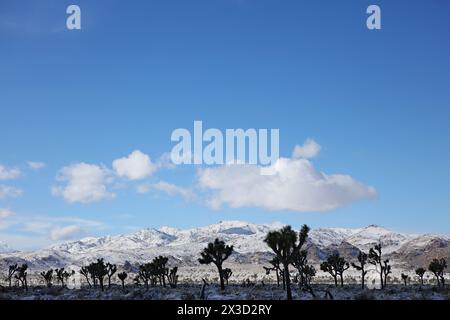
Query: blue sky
x=377 y=102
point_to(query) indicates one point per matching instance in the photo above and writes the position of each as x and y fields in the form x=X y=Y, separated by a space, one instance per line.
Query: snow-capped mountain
x=4 y=248
x=183 y=246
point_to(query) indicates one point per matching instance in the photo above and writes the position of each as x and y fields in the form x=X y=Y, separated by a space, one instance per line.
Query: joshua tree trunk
x=222 y=283
x=342 y=280
x=362 y=281
x=335 y=280
x=276 y=271
x=288 y=282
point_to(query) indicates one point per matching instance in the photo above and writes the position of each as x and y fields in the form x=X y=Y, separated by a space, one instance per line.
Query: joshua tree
x=284 y=244
x=420 y=272
x=84 y=271
x=63 y=276
x=122 y=276
x=216 y=252
x=275 y=262
x=48 y=277
x=362 y=259
x=11 y=272
x=382 y=266
x=300 y=260
x=146 y=272
x=437 y=267
x=172 y=277
x=160 y=269
x=335 y=266
x=21 y=275
x=111 y=269
x=227 y=273
x=405 y=279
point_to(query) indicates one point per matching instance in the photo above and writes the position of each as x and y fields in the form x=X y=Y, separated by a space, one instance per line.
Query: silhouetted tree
x=300 y=260
x=21 y=275
x=84 y=271
x=122 y=276
x=111 y=269
x=283 y=244
x=146 y=272
x=227 y=273
x=382 y=266
x=275 y=262
x=62 y=275
x=437 y=267
x=216 y=253
x=335 y=266
x=362 y=259
x=420 y=272
x=172 y=277
x=48 y=277
x=405 y=279
x=160 y=270
x=11 y=272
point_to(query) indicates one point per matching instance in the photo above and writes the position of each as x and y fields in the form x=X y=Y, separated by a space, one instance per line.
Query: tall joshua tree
x=300 y=260
x=362 y=259
x=437 y=267
x=382 y=266
x=284 y=244
x=420 y=272
x=335 y=266
x=216 y=253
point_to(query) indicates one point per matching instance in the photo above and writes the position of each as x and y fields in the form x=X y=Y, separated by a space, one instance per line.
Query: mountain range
x=183 y=246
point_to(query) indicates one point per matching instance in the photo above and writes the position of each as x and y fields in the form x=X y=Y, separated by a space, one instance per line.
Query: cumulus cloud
x=136 y=166
x=308 y=150
x=5 y=213
x=85 y=183
x=35 y=165
x=9 y=192
x=295 y=185
x=170 y=189
x=66 y=233
x=9 y=173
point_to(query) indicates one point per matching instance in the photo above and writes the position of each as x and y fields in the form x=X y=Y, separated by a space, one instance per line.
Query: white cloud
x=9 y=173
x=168 y=188
x=5 y=213
x=66 y=233
x=136 y=166
x=34 y=165
x=296 y=186
x=9 y=192
x=308 y=150
x=85 y=183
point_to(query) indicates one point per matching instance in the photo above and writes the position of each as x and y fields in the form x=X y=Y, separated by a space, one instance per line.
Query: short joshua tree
x=335 y=266
x=216 y=252
x=405 y=279
x=361 y=266
x=48 y=277
x=122 y=277
x=275 y=266
x=21 y=276
x=227 y=273
x=420 y=272
x=172 y=277
x=111 y=269
x=62 y=276
x=437 y=267
x=11 y=273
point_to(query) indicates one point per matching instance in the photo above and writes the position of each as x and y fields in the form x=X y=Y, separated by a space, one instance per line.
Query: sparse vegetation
x=437 y=267
x=420 y=272
x=335 y=266
x=362 y=260
x=382 y=266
